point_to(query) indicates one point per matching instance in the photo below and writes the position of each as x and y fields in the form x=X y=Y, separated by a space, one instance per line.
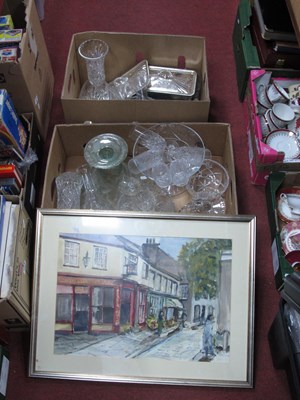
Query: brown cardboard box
x=29 y=81
x=125 y=50
x=245 y=51
x=27 y=197
x=66 y=154
x=294 y=10
x=15 y=301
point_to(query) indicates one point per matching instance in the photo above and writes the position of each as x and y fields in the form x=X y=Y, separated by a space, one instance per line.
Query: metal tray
x=172 y=83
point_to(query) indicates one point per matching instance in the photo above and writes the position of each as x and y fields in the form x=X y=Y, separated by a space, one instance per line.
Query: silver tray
x=172 y=83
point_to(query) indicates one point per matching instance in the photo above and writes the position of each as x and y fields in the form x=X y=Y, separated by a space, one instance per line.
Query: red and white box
x=263 y=159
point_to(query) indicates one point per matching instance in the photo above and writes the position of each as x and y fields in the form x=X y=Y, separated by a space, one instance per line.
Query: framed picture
x=143 y=298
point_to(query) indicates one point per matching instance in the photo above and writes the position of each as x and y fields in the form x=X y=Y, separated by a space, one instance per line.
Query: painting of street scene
x=137 y=297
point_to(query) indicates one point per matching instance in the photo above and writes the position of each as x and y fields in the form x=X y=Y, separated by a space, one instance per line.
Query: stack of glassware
x=140 y=82
x=168 y=160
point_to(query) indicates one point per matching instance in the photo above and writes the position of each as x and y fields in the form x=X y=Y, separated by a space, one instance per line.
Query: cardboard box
x=262 y=158
x=15 y=305
x=32 y=176
x=66 y=154
x=30 y=80
x=245 y=52
x=282 y=346
x=276 y=181
x=27 y=197
x=12 y=131
x=125 y=50
x=294 y=10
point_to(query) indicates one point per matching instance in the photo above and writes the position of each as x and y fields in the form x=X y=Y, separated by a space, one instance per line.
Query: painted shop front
x=106 y=284
x=97 y=305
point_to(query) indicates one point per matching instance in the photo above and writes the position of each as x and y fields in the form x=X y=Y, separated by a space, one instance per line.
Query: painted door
x=81 y=313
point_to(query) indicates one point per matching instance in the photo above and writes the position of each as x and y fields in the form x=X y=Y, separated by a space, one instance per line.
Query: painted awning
x=174 y=303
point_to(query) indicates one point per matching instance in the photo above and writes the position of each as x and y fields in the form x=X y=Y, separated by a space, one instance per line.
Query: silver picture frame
x=143 y=298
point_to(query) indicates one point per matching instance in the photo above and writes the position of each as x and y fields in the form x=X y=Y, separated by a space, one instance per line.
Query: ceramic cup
x=282 y=114
x=276 y=93
x=265 y=128
x=262 y=98
x=293 y=201
x=295 y=105
x=269 y=121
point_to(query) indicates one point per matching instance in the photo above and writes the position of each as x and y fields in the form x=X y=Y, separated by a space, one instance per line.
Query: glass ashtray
x=105 y=151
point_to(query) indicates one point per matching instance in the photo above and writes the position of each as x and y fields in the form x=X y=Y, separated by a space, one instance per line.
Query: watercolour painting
x=144 y=298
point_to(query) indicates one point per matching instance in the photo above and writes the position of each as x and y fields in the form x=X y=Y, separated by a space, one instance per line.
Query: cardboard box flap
x=244 y=16
x=294 y=10
x=245 y=53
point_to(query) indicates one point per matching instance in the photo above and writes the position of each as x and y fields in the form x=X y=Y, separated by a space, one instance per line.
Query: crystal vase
x=93 y=52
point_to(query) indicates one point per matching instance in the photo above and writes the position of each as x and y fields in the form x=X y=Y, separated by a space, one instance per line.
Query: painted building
x=198 y=308
x=107 y=283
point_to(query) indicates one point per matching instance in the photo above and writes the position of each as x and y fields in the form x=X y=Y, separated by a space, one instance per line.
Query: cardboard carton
x=12 y=132
x=66 y=154
x=294 y=10
x=276 y=181
x=15 y=301
x=263 y=159
x=282 y=339
x=30 y=179
x=246 y=52
x=29 y=81
x=125 y=51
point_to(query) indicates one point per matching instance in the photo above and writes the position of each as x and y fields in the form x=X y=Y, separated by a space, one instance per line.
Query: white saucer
x=286 y=141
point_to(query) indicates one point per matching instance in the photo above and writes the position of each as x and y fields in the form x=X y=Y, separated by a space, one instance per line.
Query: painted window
x=158 y=282
x=142 y=307
x=145 y=271
x=174 y=288
x=125 y=306
x=132 y=262
x=64 y=308
x=164 y=285
x=169 y=286
x=151 y=279
x=71 y=254
x=184 y=289
x=102 y=305
x=100 y=257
